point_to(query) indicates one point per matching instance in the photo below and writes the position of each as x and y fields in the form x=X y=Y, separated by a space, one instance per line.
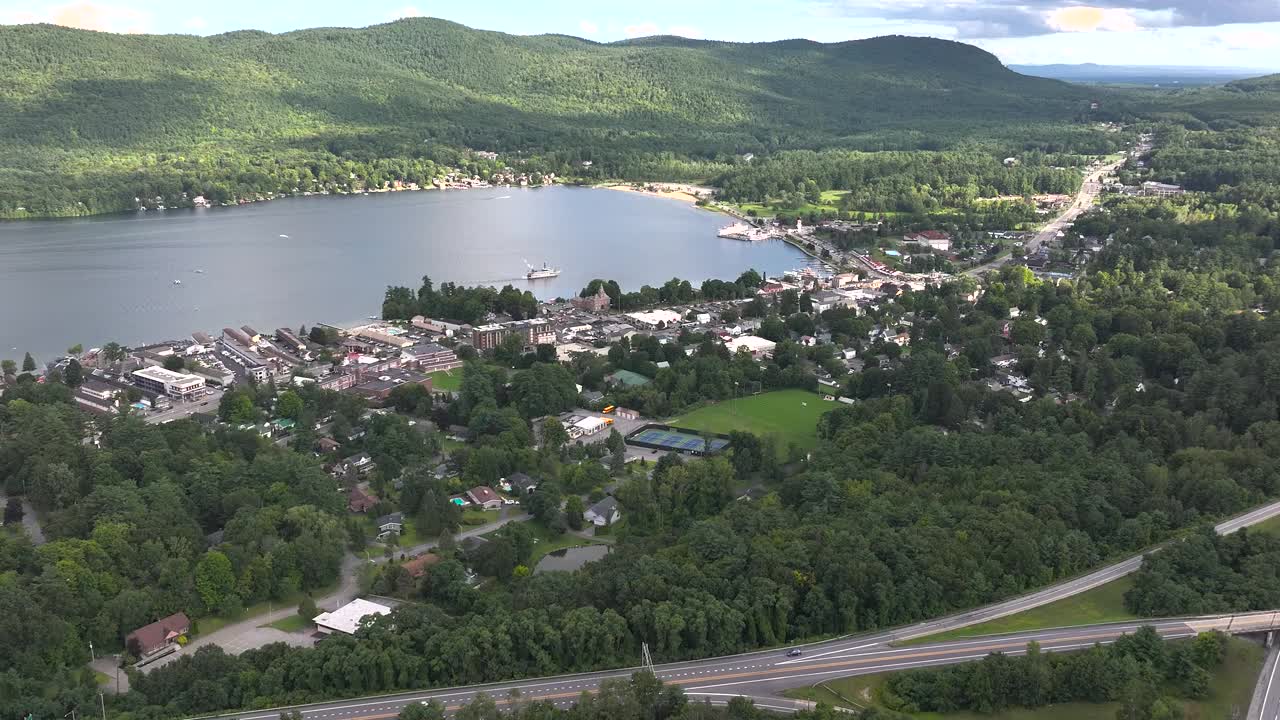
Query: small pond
x=571 y=558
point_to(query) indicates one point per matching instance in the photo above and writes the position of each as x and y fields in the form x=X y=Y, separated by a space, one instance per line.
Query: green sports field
x=791 y=416
x=446 y=380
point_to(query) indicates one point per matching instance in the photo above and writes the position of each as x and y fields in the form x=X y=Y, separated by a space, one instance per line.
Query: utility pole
x=91 y=655
x=646 y=660
x=102 y=701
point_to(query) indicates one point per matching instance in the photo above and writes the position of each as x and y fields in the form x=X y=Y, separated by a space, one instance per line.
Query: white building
x=757 y=346
x=590 y=425
x=655 y=318
x=169 y=383
x=346 y=619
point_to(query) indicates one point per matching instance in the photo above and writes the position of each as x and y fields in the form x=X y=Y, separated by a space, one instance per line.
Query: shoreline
x=688 y=194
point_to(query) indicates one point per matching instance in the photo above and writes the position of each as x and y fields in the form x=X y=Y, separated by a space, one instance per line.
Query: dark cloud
x=1022 y=18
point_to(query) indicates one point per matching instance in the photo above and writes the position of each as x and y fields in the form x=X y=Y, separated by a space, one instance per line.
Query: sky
x=1232 y=33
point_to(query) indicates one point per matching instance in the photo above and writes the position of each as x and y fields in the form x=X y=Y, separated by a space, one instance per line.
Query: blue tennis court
x=677 y=440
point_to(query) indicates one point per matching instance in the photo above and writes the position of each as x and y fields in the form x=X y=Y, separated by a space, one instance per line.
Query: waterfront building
x=168 y=383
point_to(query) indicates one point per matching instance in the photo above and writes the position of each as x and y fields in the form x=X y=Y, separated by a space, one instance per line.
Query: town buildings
x=168 y=383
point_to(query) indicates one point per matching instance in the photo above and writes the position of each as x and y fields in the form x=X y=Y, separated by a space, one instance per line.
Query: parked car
x=794 y=652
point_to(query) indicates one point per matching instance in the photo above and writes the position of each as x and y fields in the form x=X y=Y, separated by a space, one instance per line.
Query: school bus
x=608 y=409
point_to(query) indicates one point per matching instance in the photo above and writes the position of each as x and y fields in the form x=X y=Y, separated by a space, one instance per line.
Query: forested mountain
x=89 y=121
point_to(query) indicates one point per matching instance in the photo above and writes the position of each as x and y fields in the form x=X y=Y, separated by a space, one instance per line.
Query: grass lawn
x=1104 y=603
x=449 y=444
x=212 y=623
x=791 y=416
x=1270 y=525
x=446 y=379
x=293 y=623
x=548 y=541
x=473 y=516
x=1231 y=688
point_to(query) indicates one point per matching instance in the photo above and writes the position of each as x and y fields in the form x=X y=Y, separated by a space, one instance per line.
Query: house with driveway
x=483 y=496
x=159 y=638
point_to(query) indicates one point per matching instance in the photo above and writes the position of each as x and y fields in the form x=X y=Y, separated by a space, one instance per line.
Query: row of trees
x=1138 y=671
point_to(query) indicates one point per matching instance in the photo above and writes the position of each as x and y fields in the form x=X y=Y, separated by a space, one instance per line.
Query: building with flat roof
x=383 y=338
x=487 y=337
x=169 y=383
x=430 y=357
x=347 y=618
x=655 y=318
x=757 y=346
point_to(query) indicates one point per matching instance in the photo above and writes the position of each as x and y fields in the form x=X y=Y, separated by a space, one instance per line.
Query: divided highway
x=763 y=674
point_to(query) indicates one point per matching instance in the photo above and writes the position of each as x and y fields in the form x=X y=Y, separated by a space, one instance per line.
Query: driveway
x=248 y=634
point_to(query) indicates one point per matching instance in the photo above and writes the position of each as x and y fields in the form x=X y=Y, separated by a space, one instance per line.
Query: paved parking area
x=258 y=637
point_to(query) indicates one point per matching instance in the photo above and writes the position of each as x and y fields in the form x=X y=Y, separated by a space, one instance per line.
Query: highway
x=1082 y=201
x=763 y=675
x=1266 y=696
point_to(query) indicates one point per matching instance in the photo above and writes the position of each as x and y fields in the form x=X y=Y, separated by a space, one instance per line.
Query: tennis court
x=674 y=439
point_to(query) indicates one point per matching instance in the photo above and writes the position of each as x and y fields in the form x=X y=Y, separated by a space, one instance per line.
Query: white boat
x=199 y=271
x=286 y=237
x=177 y=282
x=546 y=271
x=743 y=231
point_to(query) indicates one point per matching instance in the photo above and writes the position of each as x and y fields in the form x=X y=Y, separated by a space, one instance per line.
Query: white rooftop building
x=757 y=346
x=346 y=619
x=590 y=425
x=167 y=382
x=655 y=318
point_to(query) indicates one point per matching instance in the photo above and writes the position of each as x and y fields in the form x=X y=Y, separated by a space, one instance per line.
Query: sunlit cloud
x=1083 y=18
x=86 y=16
x=1248 y=39
x=588 y=28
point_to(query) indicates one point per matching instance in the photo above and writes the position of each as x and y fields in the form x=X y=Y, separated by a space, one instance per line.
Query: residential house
x=484 y=497
x=326 y=445
x=603 y=513
x=387 y=524
x=522 y=484
x=1004 y=361
x=418 y=566
x=360 y=500
x=158 y=638
x=361 y=464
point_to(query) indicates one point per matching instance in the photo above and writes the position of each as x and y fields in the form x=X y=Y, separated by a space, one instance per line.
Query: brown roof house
x=485 y=497
x=360 y=500
x=159 y=638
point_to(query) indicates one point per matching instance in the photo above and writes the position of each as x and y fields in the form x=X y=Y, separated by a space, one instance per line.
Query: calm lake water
x=329 y=259
x=570 y=559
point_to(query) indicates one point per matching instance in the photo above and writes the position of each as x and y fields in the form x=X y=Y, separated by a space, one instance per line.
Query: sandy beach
x=675 y=191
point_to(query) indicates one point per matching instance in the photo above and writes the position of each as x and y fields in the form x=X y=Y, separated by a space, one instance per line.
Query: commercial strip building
x=347 y=618
x=172 y=384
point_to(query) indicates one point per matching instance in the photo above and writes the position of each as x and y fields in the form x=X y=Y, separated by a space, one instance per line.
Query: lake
x=329 y=259
x=570 y=559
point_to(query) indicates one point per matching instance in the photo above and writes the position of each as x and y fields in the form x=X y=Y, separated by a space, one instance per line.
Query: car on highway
x=794 y=652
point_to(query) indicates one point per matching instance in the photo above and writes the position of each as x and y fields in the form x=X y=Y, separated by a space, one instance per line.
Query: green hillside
x=89 y=121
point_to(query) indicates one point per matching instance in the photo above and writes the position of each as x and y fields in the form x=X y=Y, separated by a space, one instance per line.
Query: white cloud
x=195 y=23
x=643 y=29
x=1247 y=39
x=588 y=28
x=408 y=11
x=86 y=15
